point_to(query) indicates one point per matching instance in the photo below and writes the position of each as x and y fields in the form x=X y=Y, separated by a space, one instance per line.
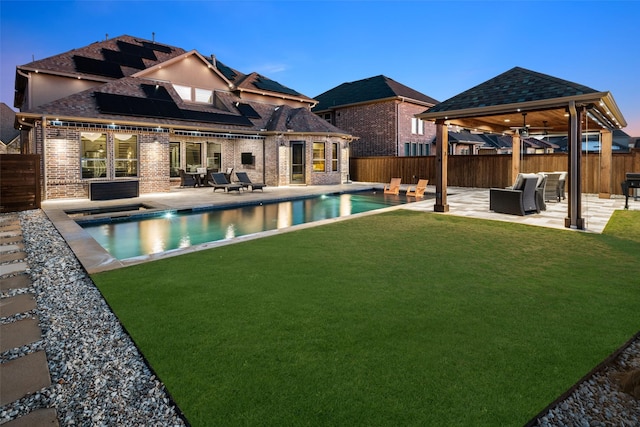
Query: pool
x=142 y=234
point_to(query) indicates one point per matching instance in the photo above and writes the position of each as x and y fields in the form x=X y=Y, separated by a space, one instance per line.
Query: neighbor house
x=134 y=110
x=379 y=112
x=9 y=135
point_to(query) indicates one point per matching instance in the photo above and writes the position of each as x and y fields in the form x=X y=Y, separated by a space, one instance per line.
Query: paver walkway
x=28 y=373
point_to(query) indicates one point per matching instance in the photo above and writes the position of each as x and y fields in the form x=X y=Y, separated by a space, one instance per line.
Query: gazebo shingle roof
x=512 y=87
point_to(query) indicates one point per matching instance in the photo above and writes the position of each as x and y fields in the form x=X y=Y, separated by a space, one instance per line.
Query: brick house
x=379 y=112
x=128 y=109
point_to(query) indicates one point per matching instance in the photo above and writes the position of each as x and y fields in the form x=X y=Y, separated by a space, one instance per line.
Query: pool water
x=127 y=238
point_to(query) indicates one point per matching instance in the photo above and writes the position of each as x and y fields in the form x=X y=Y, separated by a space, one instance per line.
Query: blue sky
x=440 y=48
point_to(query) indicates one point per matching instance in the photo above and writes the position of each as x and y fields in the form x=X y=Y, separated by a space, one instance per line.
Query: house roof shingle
x=512 y=87
x=370 y=89
x=133 y=98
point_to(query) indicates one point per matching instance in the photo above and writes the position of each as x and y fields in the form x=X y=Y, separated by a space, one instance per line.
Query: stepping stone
x=12 y=256
x=15 y=246
x=17 y=334
x=10 y=239
x=10 y=233
x=39 y=418
x=23 y=376
x=10 y=227
x=17 y=304
x=16 y=267
x=19 y=281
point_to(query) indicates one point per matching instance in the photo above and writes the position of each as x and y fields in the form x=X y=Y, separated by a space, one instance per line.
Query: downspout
x=44 y=157
x=264 y=160
x=397 y=149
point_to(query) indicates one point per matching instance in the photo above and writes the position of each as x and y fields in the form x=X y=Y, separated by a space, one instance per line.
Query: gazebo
x=518 y=102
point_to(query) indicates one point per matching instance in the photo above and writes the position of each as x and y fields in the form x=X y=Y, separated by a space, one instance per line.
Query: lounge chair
x=246 y=182
x=421 y=186
x=393 y=187
x=218 y=180
x=517 y=200
x=187 y=180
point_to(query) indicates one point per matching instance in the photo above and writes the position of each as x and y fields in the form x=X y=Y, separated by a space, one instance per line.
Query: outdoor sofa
x=520 y=199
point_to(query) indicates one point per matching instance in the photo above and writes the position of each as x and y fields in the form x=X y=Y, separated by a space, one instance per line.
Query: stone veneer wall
x=61 y=157
x=62 y=167
x=272 y=161
x=153 y=164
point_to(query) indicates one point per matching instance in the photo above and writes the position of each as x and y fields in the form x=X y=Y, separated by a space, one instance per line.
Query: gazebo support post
x=515 y=156
x=606 y=136
x=575 y=220
x=442 y=147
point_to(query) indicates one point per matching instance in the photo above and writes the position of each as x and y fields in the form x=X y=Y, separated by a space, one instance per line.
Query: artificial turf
x=401 y=318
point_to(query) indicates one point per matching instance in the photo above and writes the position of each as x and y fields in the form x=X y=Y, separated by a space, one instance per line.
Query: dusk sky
x=440 y=48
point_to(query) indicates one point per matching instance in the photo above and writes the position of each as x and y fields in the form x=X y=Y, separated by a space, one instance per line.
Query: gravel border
x=99 y=378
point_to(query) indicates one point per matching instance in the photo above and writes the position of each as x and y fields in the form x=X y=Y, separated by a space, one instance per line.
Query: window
x=193 y=156
x=214 y=156
x=190 y=94
x=183 y=91
x=174 y=159
x=413 y=149
x=204 y=96
x=318 y=157
x=327 y=117
x=407 y=148
x=93 y=152
x=126 y=155
x=417 y=126
x=334 y=157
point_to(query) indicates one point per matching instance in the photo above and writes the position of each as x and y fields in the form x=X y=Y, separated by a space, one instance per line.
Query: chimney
x=213 y=60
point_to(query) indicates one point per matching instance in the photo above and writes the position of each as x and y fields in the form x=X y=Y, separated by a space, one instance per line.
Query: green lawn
x=401 y=318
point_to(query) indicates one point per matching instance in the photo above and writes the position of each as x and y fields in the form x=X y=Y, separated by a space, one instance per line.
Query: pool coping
x=95 y=259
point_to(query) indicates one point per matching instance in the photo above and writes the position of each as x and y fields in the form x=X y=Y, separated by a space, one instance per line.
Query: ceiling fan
x=525 y=129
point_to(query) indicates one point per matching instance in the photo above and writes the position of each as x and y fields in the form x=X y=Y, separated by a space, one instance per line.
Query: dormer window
x=194 y=94
x=203 y=96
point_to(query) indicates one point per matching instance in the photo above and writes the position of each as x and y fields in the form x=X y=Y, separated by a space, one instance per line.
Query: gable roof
x=257 y=83
x=494 y=105
x=369 y=90
x=512 y=87
x=100 y=61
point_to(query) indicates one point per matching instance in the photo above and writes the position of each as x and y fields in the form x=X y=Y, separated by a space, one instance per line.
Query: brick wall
x=374 y=125
x=406 y=111
x=382 y=127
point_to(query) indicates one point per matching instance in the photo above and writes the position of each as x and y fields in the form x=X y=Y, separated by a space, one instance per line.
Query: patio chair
x=517 y=200
x=540 y=193
x=393 y=187
x=419 y=190
x=218 y=180
x=552 y=190
x=187 y=180
x=246 y=182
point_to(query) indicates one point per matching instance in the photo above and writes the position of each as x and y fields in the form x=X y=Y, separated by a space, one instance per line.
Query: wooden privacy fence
x=19 y=182
x=492 y=170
